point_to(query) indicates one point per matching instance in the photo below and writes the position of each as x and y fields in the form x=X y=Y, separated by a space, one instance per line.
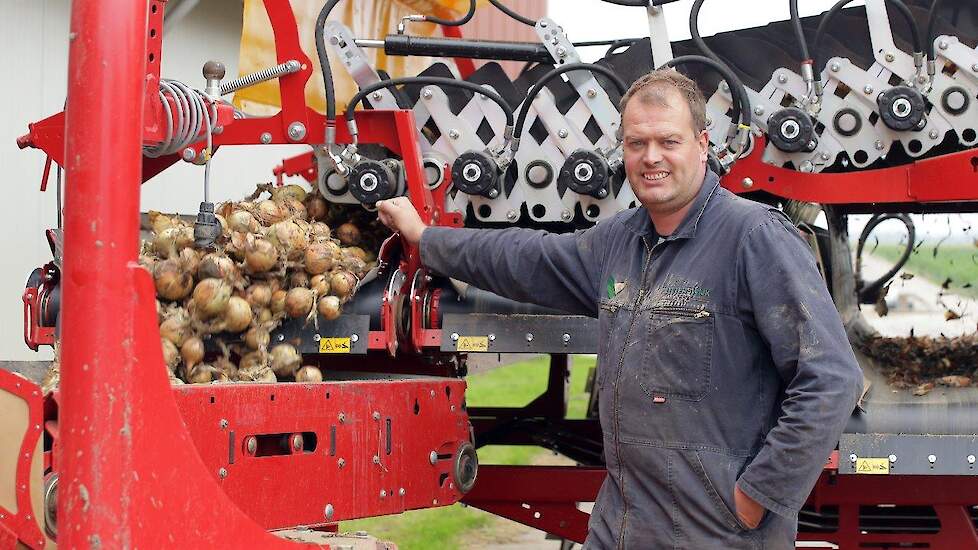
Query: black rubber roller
x=792 y=131
x=371 y=181
x=902 y=109
x=586 y=172
x=476 y=173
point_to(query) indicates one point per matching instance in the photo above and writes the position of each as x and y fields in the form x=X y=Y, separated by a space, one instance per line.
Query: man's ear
x=703 y=140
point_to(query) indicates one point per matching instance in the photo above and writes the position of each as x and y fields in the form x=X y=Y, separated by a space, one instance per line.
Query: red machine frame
x=119 y=486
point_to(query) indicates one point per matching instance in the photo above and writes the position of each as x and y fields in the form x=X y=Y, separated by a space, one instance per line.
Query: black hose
x=823 y=27
x=799 y=31
x=694 y=31
x=535 y=90
x=503 y=8
x=456 y=23
x=738 y=93
x=425 y=80
x=932 y=28
x=869 y=293
x=324 y=59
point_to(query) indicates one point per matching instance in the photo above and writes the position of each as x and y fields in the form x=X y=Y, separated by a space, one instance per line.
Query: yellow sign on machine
x=872 y=466
x=334 y=345
x=473 y=343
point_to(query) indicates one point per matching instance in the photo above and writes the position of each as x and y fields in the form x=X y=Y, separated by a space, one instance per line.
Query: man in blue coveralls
x=725 y=374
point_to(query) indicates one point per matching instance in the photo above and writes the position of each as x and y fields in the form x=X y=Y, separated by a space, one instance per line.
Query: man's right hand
x=400 y=216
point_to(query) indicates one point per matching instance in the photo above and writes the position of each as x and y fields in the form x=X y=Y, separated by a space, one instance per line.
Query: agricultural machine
x=879 y=115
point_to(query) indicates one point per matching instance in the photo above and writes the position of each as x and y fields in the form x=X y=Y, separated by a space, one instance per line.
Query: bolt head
x=297 y=442
x=354 y=338
x=933 y=134
x=383 y=493
x=931 y=458
x=890 y=57
x=426 y=93
x=341 y=462
x=433 y=457
x=971 y=459
x=724 y=86
x=492 y=337
x=943 y=44
x=251 y=445
x=376 y=459
x=328 y=511
x=265 y=138
x=224 y=423
x=747 y=183
x=189 y=154
x=782 y=79
x=759 y=110
x=565 y=337
x=512 y=215
x=867 y=89
x=281 y=337
x=563 y=133
x=893 y=459
x=566 y=215
x=974 y=68
x=454 y=337
x=852 y=458
x=223 y=473
x=592 y=93
x=561 y=51
x=826 y=156
x=835 y=67
x=297 y=131
x=807 y=166
x=879 y=145
x=375 y=95
x=341 y=417
x=454 y=134
x=401 y=491
x=376 y=415
x=529 y=336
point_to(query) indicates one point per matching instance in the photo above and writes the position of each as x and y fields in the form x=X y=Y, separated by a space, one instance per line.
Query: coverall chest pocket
x=678 y=358
x=607 y=314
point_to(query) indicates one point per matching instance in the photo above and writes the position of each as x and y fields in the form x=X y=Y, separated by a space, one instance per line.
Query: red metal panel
x=23 y=526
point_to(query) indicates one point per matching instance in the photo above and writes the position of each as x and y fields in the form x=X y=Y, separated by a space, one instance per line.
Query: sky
x=593 y=20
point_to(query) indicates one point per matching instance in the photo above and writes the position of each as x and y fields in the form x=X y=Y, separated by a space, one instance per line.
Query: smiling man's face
x=665 y=158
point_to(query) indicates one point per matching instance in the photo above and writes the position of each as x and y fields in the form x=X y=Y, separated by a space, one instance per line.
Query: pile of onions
x=278 y=260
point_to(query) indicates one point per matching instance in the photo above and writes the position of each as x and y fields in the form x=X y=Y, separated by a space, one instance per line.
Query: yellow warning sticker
x=473 y=343
x=334 y=345
x=872 y=466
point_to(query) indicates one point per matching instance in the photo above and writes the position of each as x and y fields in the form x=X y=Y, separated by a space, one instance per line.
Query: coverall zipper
x=621 y=363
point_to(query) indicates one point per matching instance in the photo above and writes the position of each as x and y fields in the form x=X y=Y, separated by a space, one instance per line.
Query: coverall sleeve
x=558 y=271
x=797 y=319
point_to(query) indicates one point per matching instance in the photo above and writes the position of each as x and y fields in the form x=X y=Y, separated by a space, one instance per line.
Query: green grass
x=510 y=386
x=957 y=262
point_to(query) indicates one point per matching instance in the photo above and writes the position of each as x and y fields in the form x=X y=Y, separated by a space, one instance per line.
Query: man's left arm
x=797 y=319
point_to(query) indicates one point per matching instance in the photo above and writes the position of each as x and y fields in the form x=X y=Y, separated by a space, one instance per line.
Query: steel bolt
x=512 y=215
x=453 y=133
x=747 y=183
x=383 y=493
x=401 y=491
x=561 y=51
x=297 y=131
x=825 y=156
x=591 y=93
x=297 y=442
x=376 y=459
x=265 y=138
x=433 y=457
x=867 y=89
x=943 y=44
x=376 y=415
x=890 y=57
x=879 y=145
x=759 y=110
x=354 y=338
x=933 y=134
x=529 y=336
x=971 y=459
x=454 y=337
x=281 y=337
x=724 y=86
x=341 y=462
x=807 y=166
x=492 y=337
x=251 y=445
x=893 y=459
x=974 y=68
x=224 y=423
x=376 y=96
x=543 y=24
x=328 y=511
x=317 y=337
x=565 y=338
x=852 y=458
x=341 y=417
x=223 y=473
x=782 y=79
x=189 y=154
x=563 y=133
x=835 y=67
x=931 y=458
x=566 y=215
x=426 y=93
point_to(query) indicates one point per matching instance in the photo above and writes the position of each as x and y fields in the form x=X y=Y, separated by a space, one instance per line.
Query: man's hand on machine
x=400 y=216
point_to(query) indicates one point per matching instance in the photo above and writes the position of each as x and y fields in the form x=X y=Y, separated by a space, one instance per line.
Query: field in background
x=509 y=386
x=956 y=262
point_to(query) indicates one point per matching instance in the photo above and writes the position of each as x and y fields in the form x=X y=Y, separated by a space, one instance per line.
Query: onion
x=172 y=282
x=201 y=374
x=253 y=361
x=211 y=298
x=190 y=260
x=284 y=359
x=291 y=191
x=269 y=212
x=348 y=234
x=356 y=251
x=320 y=285
x=319 y=232
x=319 y=258
x=278 y=301
x=315 y=206
x=309 y=373
x=260 y=255
x=342 y=283
x=354 y=265
x=171 y=355
x=258 y=295
x=289 y=238
x=216 y=266
x=263 y=315
x=175 y=329
x=169 y=242
x=294 y=208
x=257 y=338
x=160 y=222
x=243 y=222
x=226 y=369
x=238 y=315
x=329 y=307
x=298 y=302
x=192 y=352
x=298 y=278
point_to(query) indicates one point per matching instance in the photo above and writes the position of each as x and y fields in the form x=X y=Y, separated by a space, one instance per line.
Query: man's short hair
x=652 y=89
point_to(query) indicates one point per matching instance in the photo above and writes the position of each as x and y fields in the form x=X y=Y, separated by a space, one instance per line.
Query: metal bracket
x=659 y=36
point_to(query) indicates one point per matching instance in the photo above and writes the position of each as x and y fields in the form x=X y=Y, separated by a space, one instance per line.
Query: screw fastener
x=893 y=459
x=931 y=458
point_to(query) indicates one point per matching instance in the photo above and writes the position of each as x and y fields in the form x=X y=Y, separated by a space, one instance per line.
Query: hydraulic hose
x=425 y=80
x=738 y=93
x=799 y=31
x=505 y=9
x=869 y=292
x=453 y=23
x=931 y=31
x=823 y=27
x=535 y=90
x=694 y=31
x=324 y=65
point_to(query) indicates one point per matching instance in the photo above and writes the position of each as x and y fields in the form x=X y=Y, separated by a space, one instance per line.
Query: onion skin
x=201 y=374
x=175 y=329
x=190 y=261
x=211 y=298
x=242 y=221
x=309 y=373
x=192 y=352
x=320 y=232
x=299 y=302
x=316 y=207
x=278 y=301
x=269 y=212
x=329 y=307
x=171 y=280
x=320 y=285
x=258 y=295
x=216 y=266
x=171 y=355
x=289 y=239
x=260 y=256
x=257 y=338
x=299 y=278
x=348 y=234
x=342 y=284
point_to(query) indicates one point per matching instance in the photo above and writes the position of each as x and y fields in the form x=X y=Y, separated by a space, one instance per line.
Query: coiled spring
x=192 y=112
x=288 y=67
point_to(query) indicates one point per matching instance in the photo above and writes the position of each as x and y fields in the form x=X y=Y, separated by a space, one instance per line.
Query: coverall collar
x=640 y=222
